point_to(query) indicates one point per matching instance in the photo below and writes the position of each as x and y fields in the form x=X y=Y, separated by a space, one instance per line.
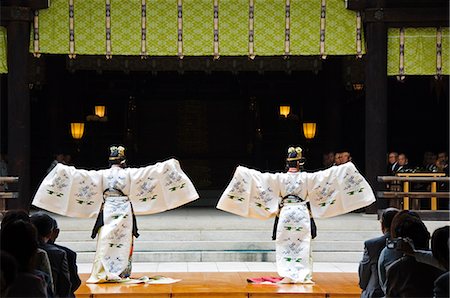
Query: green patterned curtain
x=197 y=28
x=418 y=51
x=3 y=63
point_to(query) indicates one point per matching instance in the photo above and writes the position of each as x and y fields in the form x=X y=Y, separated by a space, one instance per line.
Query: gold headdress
x=295 y=153
x=116 y=152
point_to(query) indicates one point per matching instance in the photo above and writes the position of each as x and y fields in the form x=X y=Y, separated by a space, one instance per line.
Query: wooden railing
x=406 y=179
x=4 y=195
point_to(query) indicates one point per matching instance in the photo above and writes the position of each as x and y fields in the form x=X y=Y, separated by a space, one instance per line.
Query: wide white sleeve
x=251 y=194
x=338 y=190
x=71 y=192
x=160 y=187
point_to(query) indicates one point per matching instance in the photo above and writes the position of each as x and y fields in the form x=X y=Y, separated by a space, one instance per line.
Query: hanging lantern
x=309 y=130
x=285 y=110
x=100 y=111
x=77 y=130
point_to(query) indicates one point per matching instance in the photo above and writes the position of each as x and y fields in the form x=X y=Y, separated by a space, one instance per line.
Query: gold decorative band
x=251 y=31
x=143 y=29
x=438 y=52
x=71 y=30
x=108 y=29
x=358 y=35
x=180 y=29
x=36 y=49
x=216 y=30
x=287 y=29
x=401 y=68
x=323 y=10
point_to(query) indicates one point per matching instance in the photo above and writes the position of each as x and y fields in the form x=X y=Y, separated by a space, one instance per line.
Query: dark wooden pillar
x=18 y=27
x=376 y=106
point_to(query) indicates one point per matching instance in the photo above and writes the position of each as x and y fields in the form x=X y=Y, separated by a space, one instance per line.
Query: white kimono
x=334 y=191
x=147 y=190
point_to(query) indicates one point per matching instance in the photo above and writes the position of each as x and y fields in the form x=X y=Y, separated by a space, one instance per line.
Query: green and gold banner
x=3 y=63
x=418 y=51
x=197 y=28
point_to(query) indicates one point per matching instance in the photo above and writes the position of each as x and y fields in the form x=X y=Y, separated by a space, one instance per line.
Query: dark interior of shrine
x=215 y=115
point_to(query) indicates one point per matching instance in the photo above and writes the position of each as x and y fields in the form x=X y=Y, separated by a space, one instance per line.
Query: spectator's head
x=67 y=159
x=345 y=157
x=328 y=159
x=392 y=157
x=44 y=225
x=428 y=158
x=402 y=159
x=55 y=232
x=440 y=245
x=407 y=224
x=19 y=239
x=14 y=215
x=59 y=157
x=337 y=158
x=386 y=218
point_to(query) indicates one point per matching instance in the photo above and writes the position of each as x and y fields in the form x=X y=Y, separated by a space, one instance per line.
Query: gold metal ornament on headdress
x=292 y=150
x=117 y=152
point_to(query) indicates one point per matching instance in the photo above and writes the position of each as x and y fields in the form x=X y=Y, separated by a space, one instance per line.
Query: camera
x=393 y=243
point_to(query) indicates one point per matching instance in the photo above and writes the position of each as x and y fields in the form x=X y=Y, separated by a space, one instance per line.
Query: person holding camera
x=406 y=277
x=368 y=267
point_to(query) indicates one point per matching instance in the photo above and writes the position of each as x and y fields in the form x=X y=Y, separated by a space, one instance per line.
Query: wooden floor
x=225 y=284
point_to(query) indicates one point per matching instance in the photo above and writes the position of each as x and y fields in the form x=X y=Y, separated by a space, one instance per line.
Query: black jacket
x=368 y=267
x=73 y=269
x=60 y=270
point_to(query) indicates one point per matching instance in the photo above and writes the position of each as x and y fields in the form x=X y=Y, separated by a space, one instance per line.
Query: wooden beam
x=17 y=13
x=33 y=4
x=407 y=16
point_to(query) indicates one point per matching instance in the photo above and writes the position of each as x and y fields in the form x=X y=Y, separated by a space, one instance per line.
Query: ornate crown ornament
x=116 y=152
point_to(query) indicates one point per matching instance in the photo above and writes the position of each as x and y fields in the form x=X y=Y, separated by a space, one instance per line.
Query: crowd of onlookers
x=400 y=263
x=432 y=162
x=32 y=264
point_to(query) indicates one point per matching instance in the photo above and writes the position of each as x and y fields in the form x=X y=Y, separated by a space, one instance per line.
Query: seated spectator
x=58 y=258
x=393 y=165
x=8 y=271
x=41 y=261
x=429 y=161
x=403 y=163
x=442 y=162
x=368 y=267
x=406 y=277
x=337 y=158
x=71 y=258
x=441 y=250
x=388 y=256
x=345 y=157
x=19 y=239
x=328 y=159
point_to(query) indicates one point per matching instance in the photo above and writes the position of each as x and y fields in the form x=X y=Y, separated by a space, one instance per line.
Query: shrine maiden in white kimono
x=331 y=192
x=81 y=193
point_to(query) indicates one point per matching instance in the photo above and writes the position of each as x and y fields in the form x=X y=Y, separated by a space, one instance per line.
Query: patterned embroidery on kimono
x=59 y=183
x=118 y=181
x=146 y=187
x=237 y=189
x=352 y=182
x=324 y=193
x=265 y=195
x=174 y=180
x=293 y=185
x=114 y=265
x=85 y=193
